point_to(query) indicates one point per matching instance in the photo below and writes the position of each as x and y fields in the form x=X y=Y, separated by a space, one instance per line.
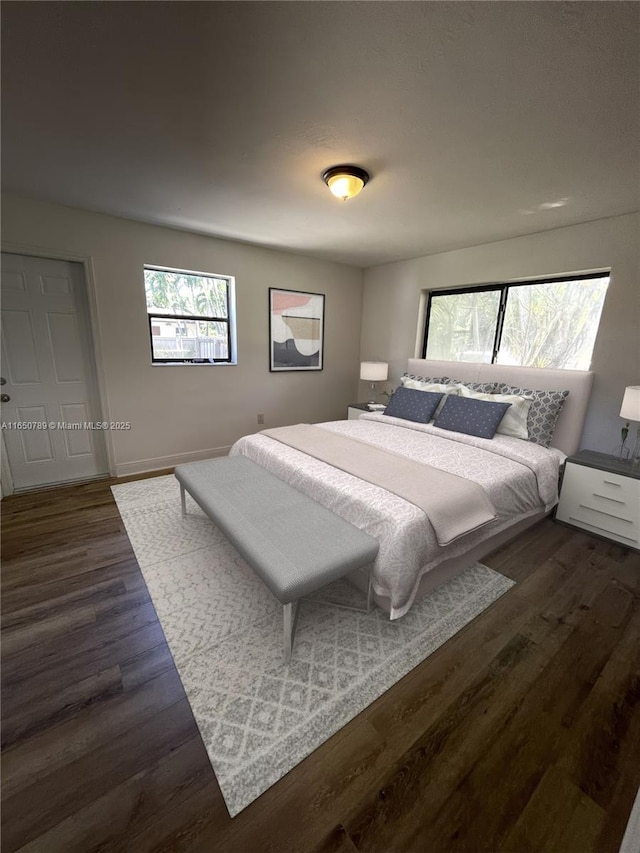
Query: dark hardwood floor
x=521 y=734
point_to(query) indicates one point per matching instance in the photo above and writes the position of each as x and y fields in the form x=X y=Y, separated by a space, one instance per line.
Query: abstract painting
x=296 y=330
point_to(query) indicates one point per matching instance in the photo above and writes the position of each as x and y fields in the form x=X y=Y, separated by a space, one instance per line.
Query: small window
x=545 y=323
x=191 y=317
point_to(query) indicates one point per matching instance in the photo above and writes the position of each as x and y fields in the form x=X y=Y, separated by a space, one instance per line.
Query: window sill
x=194 y=364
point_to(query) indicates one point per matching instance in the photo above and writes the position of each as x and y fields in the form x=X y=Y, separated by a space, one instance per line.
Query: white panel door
x=49 y=373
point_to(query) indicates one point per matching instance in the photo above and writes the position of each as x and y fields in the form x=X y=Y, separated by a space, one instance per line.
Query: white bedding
x=519 y=477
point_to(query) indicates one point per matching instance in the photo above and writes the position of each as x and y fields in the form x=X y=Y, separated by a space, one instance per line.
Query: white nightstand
x=601 y=495
x=356 y=409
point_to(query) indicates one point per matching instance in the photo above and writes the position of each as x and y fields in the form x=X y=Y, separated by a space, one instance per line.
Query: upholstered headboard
x=566 y=436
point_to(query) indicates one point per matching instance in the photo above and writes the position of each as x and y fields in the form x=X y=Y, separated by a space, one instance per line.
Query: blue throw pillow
x=471 y=416
x=413 y=405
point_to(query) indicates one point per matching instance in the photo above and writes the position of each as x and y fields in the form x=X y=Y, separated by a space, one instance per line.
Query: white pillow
x=425 y=385
x=514 y=422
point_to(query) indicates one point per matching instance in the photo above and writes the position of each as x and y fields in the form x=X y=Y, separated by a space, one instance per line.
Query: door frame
x=96 y=338
x=6 y=478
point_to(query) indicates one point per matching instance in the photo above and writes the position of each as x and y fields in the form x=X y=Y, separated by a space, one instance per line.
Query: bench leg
x=183 y=500
x=290 y=612
x=369 y=593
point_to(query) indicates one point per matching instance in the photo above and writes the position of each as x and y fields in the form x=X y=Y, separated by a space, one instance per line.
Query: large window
x=191 y=317
x=545 y=323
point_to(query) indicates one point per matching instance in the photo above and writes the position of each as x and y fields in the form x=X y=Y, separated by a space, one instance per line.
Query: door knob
x=3 y=381
x=4 y=398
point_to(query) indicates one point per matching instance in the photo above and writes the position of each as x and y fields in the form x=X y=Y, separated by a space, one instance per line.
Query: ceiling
x=474 y=119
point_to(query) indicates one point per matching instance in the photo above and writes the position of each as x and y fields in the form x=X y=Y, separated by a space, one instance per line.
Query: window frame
x=503 y=288
x=229 y=320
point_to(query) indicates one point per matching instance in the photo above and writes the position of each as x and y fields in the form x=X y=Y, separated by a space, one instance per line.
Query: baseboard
x=143 y=466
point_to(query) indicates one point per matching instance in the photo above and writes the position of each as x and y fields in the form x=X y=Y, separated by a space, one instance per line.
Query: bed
x=519 y=478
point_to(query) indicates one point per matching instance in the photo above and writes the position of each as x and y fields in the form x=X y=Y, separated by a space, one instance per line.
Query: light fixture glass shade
x=374 y=371
x=630 y=408
x=345 y=181
x=345 y=186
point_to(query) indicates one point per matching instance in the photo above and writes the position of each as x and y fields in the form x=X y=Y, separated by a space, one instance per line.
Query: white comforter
x=519 y=477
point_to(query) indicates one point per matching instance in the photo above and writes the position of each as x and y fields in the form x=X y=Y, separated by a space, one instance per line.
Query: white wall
x=187 y=412
x=392 y=298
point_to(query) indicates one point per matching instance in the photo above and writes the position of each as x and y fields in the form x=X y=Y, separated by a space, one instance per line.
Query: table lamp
x=372 y=372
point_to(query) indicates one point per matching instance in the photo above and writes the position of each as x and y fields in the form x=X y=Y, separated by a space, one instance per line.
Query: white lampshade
x=630 y=408
x=374 y=371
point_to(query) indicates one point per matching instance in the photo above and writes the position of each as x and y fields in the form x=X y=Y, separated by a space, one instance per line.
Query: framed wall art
x=296 y=330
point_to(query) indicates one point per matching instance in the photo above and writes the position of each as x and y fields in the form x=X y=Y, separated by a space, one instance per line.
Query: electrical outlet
x=260 y=418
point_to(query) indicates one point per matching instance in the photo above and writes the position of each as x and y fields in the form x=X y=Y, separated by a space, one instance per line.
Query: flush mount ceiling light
x=345 y=181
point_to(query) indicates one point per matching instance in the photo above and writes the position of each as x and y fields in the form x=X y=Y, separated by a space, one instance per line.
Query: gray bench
x=294 y=544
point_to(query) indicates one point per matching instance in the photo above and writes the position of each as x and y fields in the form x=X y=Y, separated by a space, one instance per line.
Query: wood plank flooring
x=521 y=734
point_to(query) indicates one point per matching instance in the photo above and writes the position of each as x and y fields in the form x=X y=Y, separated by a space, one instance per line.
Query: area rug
x=631 y=838
x=259 y=717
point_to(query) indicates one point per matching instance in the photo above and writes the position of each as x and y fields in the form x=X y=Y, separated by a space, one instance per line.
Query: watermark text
x=64 y=425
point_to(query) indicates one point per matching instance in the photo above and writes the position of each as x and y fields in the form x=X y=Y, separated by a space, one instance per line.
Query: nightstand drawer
x=607 y=487
x=601 y=502
x=625 y=528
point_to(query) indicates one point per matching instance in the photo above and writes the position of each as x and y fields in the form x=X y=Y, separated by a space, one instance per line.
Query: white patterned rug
x=257 y=716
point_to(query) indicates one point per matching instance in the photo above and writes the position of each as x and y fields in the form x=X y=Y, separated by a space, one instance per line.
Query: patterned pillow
x=413 y=381
x=514 y=423
x=413 y=405
x=543 y=414
x=438 y=380
x=471 y=416
x=480 y=387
